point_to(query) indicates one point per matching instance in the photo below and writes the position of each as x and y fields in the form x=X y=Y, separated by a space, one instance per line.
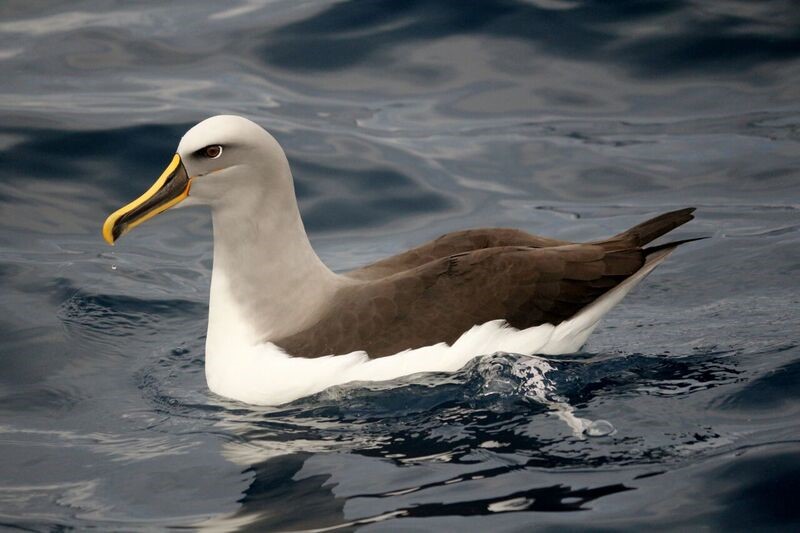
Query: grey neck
x=267 y=281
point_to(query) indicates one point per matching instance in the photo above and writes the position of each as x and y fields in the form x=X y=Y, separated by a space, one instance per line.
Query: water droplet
x=599 y=428
x=113 y=267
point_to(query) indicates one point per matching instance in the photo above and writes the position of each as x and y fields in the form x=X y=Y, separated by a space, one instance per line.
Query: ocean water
x=404 y=120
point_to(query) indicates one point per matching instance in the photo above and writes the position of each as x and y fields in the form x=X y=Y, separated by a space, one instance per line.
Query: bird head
x=224 y=162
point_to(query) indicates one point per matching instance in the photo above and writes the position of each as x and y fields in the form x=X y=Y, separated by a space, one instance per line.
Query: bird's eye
x=213 y=151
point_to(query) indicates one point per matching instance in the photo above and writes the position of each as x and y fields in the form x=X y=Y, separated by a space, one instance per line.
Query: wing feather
x=440 y=300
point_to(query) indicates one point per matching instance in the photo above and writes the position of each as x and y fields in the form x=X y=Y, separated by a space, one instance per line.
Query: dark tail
x=674 y=244
x=650 y=230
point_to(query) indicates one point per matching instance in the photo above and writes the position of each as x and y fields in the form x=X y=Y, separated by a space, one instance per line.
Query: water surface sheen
x=404 y=120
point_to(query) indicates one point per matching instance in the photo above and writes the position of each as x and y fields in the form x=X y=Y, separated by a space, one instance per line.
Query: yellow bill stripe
x=108 y=226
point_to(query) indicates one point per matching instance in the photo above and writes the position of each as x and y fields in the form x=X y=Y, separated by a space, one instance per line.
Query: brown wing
x=450 y=244
x=440 y=300
x=437 y=291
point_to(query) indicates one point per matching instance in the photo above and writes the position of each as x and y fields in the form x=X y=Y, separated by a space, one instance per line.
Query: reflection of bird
x=268 y=285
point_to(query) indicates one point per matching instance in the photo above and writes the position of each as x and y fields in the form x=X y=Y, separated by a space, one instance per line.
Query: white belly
x=264 y=374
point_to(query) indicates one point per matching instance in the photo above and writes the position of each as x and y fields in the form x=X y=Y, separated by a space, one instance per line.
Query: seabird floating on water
x=282 y=325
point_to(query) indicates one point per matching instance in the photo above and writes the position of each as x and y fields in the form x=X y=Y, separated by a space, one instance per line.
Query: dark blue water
x=404 y=120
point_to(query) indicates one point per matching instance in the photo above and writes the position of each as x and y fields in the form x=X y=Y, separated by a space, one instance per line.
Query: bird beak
x=169 y=189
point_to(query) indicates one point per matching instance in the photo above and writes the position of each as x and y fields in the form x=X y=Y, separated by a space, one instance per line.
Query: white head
x=226 y=162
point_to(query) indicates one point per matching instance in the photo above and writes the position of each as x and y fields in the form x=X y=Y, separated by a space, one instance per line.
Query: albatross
x=282 y=325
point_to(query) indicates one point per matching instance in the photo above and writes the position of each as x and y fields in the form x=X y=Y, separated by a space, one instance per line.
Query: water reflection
x=260 y=510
